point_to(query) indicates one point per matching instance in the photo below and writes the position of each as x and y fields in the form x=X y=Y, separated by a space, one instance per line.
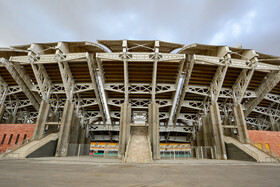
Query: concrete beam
x=266 y=86
x=20 y=81
x=64 y=131
x=92 y=71
x=41 y=121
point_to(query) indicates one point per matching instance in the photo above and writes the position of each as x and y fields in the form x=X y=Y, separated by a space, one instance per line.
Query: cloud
x=254 y=24
x=234 y=28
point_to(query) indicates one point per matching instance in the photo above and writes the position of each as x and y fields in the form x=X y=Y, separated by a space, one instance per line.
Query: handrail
x=244 y=148
x=127 y=145
x=25 y=141
x=149 y=144
x=270 y=153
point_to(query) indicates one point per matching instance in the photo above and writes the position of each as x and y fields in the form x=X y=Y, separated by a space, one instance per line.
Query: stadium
x=143 y=100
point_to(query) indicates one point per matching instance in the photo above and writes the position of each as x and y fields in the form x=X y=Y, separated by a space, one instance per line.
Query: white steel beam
x=92 y=71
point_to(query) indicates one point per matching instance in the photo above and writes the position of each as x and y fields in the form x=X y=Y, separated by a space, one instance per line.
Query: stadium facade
x=81 y=91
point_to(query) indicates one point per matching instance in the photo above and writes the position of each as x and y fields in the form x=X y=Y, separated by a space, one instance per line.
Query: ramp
x=31 y=148
x=138 y=149
x=251 y=150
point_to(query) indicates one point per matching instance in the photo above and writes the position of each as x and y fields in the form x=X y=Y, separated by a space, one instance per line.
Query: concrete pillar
x=74 y=136
x=64 y=131
x=41 y=120
x=227 y=131
x=124 y=133
x=87 y=146
x=154 y=129
x=81 y=140
x=207 y=133
x=218 y=135
x=240 y=122
x=199 y=137
x=2 y=110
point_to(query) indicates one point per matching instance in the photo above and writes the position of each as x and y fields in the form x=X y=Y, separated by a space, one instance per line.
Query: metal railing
x=242 y=147
x=273 y=156
x=25 y=141
x=186 y=152
x=19 y=144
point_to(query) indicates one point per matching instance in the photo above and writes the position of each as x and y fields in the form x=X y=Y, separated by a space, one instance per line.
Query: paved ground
x=109 y=172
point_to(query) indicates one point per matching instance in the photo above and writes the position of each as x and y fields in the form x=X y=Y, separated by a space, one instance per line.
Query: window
x=24 y=137
x=10 y=140
x=267 y=147
x=17 y=139
x=259 y=145
x=3 y=140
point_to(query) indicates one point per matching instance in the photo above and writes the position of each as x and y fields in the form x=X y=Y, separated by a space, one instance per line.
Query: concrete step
x=139 y=149
x=250 y=150
x=32 y=146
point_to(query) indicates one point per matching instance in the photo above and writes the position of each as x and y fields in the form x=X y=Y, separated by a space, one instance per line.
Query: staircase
x=31 y=147
x=249 y=149
x=138 y=148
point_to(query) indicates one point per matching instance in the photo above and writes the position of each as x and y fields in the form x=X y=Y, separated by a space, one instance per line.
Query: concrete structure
x=196 y=94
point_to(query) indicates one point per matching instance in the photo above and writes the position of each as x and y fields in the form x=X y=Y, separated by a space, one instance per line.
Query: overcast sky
x=254 y=24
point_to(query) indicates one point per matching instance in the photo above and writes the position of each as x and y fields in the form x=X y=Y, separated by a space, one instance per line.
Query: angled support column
x=266 y=86
x=125 y=70
x=41 y=121
x=154 y=80
x=241 y=124
x=219 y=77
x=103 y=95
x=2 y=110
x=153 y=129
x=216 y=128
x=92 y=71
x=65 y=71
x=40 y=72
x=74 y=136
x=22 y=83
x=64 y=131
x=239 y=89
x=177 y=103
x=124 y=132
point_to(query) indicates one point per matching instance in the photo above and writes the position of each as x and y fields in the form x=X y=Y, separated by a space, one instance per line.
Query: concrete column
x=87 y=146
x=199 y=137
x=227 y=131
x=240 y=122
x=2 y=110
x=154 y=129
x=64 y=131
x=207 y=133
x=218 y=135
x=41 y=120
x=74 y=136
x=124 y=133
x=81 y=141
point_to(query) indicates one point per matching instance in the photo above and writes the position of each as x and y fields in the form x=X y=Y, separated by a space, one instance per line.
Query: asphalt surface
x=110 y=172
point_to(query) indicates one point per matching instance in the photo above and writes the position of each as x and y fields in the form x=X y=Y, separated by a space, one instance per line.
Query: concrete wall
x=47 y=150
x=272 y=138
x=15 y=130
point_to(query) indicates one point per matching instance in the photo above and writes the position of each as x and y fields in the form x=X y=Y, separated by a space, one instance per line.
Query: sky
x=254 y=24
